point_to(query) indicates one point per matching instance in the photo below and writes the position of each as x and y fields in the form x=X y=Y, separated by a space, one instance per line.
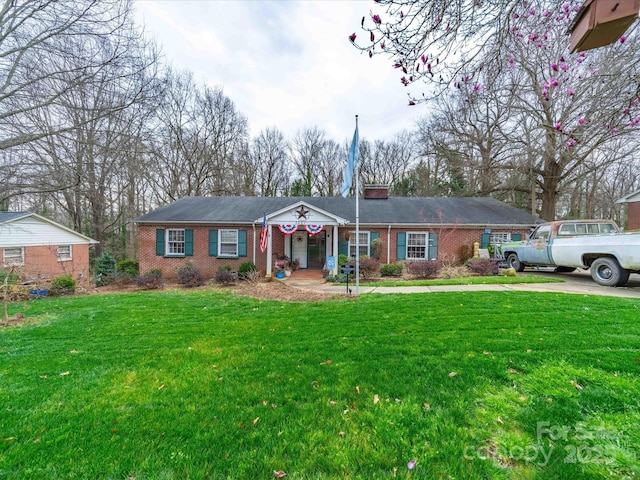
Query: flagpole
x=357 y=223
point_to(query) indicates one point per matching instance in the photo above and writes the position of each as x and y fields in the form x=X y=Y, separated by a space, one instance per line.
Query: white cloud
x=287 y=64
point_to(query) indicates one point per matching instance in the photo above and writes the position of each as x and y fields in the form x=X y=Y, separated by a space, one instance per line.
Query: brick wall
x=208 y=265
x=633 y=216
x=449 y=243
x=42 y=262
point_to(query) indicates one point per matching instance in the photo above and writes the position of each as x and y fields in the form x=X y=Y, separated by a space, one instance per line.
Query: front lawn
x=198 y=384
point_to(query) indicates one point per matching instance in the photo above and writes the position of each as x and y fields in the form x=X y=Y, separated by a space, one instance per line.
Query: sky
x=286 y=64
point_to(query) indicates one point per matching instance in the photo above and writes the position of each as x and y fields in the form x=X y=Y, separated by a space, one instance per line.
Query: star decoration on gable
x=302 y=212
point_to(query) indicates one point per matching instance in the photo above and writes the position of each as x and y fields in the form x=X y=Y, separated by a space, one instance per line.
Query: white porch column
x=269 y=251
x=335 y=249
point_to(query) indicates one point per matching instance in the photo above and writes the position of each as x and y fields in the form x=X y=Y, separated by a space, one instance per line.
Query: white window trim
x=426 y=246
x=13 y=262
x=352 y=235
x=167 y=243
x=506 y=237
x=65 y=259
x=237 y=243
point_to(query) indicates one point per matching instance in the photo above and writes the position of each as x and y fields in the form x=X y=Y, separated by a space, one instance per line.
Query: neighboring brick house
x=42 y=248
x=633 y=210
x=211 y=232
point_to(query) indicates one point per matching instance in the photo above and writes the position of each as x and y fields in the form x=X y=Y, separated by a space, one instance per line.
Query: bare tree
x=47 y=49
x=267 y=168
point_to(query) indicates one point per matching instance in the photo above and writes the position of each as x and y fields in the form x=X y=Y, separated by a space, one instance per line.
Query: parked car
x=597 y=245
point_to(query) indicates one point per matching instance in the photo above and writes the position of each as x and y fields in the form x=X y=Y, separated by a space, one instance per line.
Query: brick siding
x=42 y=262
x=633 y=216
x=449 y=243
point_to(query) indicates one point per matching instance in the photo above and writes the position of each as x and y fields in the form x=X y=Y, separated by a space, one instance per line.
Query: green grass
x=195 y=385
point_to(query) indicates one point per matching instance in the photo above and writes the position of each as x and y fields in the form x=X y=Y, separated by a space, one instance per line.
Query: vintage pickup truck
x=594 y=244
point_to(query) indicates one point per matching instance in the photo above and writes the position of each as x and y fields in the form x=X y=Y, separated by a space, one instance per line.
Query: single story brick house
x=210 y=232
x=42 y=248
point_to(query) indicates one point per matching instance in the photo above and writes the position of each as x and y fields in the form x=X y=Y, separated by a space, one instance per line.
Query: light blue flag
x=352 y=161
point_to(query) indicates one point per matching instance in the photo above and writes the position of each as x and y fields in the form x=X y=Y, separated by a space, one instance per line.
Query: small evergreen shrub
x=343 y=260
x=128 y=267
x=424 y=269
x=369 y=267
x=62 y=285
x=483 y=266
x=225 y=276
x=189 y=276
x=105 y=269
x=245 y=270
x=152 y=280
x=391 y=269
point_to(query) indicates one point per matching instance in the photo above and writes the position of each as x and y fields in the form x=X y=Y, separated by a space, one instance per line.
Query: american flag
x=263 y=234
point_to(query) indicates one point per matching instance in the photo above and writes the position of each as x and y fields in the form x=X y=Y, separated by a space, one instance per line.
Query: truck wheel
x=608 y=272
x=514 y=262
x=565 y=269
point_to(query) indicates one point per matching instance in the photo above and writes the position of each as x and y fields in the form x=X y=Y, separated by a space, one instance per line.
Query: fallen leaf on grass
x=161 y=387
x=358 y=390
x=257 y=419
x=376 y=399
x=73 y=351
x=328 y=362
x=577 y=385
x=279 y=474
x=513 y=370
x=485 y=352
x=500 y=421
x=453 y=374
x=64 y=373
x=427 y=406
x=341 y=434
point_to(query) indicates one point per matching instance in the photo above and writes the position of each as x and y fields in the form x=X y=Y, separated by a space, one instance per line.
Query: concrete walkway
x=560 y=287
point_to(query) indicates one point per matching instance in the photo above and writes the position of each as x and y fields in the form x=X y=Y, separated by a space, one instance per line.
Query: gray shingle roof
x=390 y=211
x=10 y=216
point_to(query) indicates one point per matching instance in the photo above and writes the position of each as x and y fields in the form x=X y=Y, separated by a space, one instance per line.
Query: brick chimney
x=379 y=192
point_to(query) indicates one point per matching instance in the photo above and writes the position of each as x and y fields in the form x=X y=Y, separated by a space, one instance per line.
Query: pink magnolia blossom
x=372 y=37
x=376 y=19
x=554 y=67
x=564 y=67
x=352 y=37
x=477 y=87
x=554 y=82
x=623 y=38
x=411 y=103
x=411 y=465
x=571 y=143
x=571 y=92
x=582 y=121
x=558 y=126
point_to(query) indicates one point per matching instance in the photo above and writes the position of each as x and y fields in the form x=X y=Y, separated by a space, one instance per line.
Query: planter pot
x=287 y=273
x=279 y=274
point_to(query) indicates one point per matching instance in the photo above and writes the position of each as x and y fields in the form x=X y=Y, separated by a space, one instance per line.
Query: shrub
x=128 y=267
x=189 y=276
x=13 y=277
x=105 y=269
x=391 y=269
x=151 y=280
x=369 y=267
x=377 y=247
x=465 y=252
x=245 y=270
x=483 y=266
x=62 y=285
x=424 y=269
x=224 y=276
x=343 y=260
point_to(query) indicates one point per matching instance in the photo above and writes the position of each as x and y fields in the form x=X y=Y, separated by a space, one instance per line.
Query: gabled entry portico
x=304 y=233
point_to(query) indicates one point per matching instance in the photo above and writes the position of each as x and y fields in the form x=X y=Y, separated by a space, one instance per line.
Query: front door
x=317 y=250
x=299 y=248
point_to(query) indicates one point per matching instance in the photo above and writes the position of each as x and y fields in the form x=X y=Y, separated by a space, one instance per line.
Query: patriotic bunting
x=288 y=228
x=314 y=229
